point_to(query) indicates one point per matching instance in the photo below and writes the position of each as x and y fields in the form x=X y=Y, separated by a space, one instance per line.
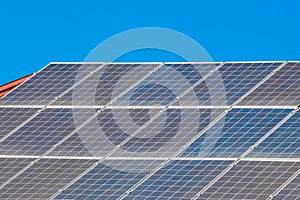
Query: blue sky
x=34 y=33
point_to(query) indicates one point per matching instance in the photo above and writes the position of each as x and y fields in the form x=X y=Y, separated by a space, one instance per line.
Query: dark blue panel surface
x=104 y=182
x=39 y=134
x=231 y=82
x=291 y=191
x=165 y=84
x=282 y=89
x=107 y=83
x=10 y=118
x=251 y=180
x=179 y=180
x=240 y=129
x=283 y=143
x=113 y=126
x=44 y=179
x=46 y=85
x=11 y=166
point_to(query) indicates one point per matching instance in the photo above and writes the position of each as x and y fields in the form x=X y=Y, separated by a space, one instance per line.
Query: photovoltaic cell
x=10 y=118
x=291 y=191
x=107 y=83
x=179 y=180
x=10 y=166
x=193 y=72
x=282 y=89
x=241 y=129
x=251 y=180
x=234 y=80
x=101 y=134
x=107 y=182
x=178 y=129
x=43 y=179
x=283 y=143
x=40 y=134
x=46 y=85
x=165 y=84
x=162 y=137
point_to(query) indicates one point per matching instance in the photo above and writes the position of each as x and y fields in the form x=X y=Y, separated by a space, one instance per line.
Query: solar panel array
x=153 y=131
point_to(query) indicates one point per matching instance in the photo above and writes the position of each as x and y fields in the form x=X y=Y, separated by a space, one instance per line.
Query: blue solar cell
x=105 y=182
x=283 y=143
x=281 y=89
x=193 y=72
x=241 y=129
x=179 y=180
x=113 y=126
x=291 y=191
x=107 y=83
x=44 y=178
x=251 y=180
x=231 y=82
x=10 y=118
x=46 y=85
x=99 y=133
x=40 y=134
x=10 y=166
x=165 y=84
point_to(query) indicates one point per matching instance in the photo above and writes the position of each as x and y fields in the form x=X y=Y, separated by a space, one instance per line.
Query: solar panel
x=237 y=79
x=101 y=135
x=105 y=182
x=251 y=180
x=10 y=166
x=152 y=130
x=11 y=118
x=283 y=143
x=291 y=191
x=281 y=89
x=117 y=132
x=246 y=153
x=179 y=179
x=167 y=83
x=100 y=87
x=43 y=179
x=40 y=134
x=241 y=129
x=49 y=83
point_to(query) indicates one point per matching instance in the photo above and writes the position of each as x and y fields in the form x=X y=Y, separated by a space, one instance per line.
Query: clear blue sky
x=34 y=33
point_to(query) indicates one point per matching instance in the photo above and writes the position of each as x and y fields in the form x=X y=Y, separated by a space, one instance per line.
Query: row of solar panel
x=140 y=114
x=54 y=125
x=181 y=179
x=223 y=87
x=229 y=138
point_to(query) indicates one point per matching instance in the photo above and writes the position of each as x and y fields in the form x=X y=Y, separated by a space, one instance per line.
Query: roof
x=223 y=130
